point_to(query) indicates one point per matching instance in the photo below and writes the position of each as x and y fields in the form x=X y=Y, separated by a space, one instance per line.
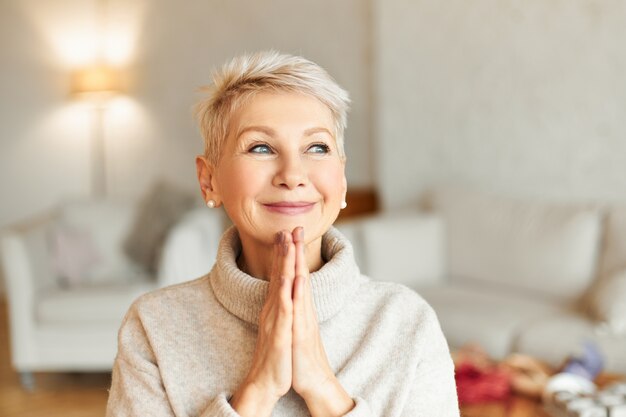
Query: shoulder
x=161 y=311
x=394 y=296
x=171 y=295
x=396 y=306
x=164 y=304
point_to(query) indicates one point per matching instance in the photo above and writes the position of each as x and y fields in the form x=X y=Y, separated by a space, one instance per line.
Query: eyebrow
x=313 y=130
x=271 y=132
x=263 y=129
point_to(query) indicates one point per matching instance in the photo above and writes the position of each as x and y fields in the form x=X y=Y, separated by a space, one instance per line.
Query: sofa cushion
x=548 y=249
x=556 y=337
x=89 y=305
x=407 y=248
x=484 y=315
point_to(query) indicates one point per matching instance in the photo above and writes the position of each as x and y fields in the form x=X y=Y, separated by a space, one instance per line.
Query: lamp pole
x=98 y=153
x=97 y=84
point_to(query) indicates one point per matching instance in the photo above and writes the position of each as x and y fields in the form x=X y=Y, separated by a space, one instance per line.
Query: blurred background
x=526 y=99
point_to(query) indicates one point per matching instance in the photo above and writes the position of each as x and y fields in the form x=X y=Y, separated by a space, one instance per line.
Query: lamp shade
x=99 y=79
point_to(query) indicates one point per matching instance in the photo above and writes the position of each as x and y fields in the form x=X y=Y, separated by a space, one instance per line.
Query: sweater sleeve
x=137 y=389
x=433 y=388
x=361 y=409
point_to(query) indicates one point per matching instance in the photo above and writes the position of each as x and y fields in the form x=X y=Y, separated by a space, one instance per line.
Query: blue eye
x=260 y=149
x=320 y=148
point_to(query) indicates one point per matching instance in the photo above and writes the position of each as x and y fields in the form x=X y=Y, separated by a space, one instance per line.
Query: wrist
x=250 y=401
x=329 y=399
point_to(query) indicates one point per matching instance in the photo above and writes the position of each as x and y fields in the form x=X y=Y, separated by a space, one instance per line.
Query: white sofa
x=56 y=327
x=510 y=275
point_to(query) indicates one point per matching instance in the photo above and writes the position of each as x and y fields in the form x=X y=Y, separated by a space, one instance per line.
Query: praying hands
x=289 y=352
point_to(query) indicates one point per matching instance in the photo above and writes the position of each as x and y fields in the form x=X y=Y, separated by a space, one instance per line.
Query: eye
x=319 y=148
x=260 y=149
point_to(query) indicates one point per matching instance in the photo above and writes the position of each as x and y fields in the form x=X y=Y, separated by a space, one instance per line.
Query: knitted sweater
x=183 y=350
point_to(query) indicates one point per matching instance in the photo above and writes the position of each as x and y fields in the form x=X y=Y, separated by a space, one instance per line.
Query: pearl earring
x=344 y=205
x=210 y=203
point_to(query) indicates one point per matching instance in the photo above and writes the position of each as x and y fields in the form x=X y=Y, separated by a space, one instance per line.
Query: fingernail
x=300 y=234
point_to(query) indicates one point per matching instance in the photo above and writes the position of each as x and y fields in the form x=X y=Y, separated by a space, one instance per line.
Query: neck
x=256 y=257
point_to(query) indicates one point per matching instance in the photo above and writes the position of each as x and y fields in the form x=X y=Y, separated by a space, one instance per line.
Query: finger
x=298 y=294
x=286 y=274
x=301 y=275
x=277 y=262
x=302 y=269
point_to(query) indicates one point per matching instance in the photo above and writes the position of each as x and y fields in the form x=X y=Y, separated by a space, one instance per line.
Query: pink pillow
x=73 y=255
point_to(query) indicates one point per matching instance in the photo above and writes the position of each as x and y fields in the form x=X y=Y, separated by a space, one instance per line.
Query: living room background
x=525 y=100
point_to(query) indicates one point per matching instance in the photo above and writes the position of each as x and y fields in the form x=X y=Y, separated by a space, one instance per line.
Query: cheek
x=329 y=182
x=241 y=181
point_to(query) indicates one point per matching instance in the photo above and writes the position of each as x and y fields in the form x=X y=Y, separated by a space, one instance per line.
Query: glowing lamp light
x=99 y=80
x=97 y=83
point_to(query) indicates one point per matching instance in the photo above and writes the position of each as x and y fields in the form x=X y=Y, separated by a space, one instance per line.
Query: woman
x=284 y=324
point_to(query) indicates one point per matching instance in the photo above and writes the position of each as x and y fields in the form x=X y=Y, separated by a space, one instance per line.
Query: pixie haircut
x=244 y=76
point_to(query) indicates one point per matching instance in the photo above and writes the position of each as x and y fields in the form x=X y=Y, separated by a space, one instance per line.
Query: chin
x=312 y=229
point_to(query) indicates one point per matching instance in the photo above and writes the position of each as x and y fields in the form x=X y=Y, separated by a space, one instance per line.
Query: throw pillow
x=161 y=208
x=73 y=255
x=107 y=223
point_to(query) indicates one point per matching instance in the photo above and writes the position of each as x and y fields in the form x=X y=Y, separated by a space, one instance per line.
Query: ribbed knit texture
x=183 y=350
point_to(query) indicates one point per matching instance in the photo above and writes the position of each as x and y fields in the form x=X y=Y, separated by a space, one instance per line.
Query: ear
x=206 y=179
x=344 y=181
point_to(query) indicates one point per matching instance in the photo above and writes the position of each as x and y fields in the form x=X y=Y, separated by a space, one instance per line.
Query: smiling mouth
x=289 y=208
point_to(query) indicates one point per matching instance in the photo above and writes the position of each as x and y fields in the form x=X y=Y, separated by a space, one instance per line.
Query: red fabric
x=475 y=385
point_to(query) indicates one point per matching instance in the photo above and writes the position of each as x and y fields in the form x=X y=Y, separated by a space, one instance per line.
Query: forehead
x=282 y=111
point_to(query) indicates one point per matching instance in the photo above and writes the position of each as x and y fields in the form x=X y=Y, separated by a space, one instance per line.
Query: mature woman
x=284 y=324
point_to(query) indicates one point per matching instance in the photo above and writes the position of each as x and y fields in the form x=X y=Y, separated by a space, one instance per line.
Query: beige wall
x=519 y=97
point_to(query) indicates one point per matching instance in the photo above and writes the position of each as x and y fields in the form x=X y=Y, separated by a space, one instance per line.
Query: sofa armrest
x=190 y=248
x=26 y=269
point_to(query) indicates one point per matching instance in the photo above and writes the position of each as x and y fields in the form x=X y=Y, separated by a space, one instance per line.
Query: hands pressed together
x=289 y=352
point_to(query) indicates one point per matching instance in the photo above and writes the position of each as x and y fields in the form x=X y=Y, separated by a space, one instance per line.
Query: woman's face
x=280 y=167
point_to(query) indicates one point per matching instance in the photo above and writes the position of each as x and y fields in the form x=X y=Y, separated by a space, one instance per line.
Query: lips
x=289 y=207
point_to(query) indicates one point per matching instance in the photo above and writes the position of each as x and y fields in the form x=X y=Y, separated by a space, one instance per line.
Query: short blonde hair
x=246 y=75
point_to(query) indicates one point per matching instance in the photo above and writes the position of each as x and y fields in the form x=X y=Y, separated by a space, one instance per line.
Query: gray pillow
x=157 y=212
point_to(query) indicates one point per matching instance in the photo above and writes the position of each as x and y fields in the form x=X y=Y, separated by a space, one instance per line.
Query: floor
x=56 y=395
x=85 y=395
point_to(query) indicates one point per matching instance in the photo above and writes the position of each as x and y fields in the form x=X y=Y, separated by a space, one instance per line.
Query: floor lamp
x=97 y=84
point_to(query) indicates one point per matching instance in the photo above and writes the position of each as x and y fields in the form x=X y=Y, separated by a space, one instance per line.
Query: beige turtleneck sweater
x=183 y=350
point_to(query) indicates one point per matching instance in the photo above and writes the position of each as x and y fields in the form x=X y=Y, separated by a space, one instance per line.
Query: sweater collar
x=244 y=296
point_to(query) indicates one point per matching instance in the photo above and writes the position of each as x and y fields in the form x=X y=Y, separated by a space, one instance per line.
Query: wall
x=44 y=135
x=523 y=98
x=168 y=49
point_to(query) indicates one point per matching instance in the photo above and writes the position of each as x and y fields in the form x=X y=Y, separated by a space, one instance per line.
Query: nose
x=291 y=173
